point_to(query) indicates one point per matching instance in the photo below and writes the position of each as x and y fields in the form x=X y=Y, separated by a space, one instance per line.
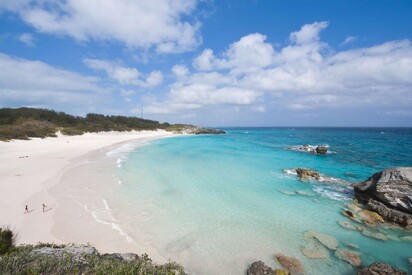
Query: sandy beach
x=29 y=168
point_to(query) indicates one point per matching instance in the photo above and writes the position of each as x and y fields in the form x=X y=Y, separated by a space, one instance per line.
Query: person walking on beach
x=26 y=210
x=44 y=207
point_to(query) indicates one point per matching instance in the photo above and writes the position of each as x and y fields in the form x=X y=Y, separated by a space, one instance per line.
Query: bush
x=6 y=240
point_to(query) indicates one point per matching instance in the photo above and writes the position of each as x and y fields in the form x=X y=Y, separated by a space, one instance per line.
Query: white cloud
x=306 y=74
x=348 y=40
x=155 y=78
x=27 y=82
x=249 y=53
x=27 y=39
x=160 y=24
x=308 y=34
x=125 y=75
x=180 y=71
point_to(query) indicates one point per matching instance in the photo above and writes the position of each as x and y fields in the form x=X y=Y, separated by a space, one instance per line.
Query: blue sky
x=212 y=63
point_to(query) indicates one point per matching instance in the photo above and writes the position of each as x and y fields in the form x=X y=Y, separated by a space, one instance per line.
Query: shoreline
x=31 y=168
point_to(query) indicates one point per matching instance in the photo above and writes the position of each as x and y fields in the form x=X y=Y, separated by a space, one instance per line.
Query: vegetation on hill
x=75 y=259
x=22 y=123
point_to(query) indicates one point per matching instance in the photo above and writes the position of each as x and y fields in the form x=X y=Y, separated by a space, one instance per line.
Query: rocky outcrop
x=78 y=252
x=380 y=269
x=321 y=150
x=305 y=174
x=317 y=149
x=259 y=268
x=199 y=131
x=389 y=193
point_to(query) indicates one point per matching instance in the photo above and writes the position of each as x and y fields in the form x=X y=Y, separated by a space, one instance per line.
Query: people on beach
x=26 y=210
x=44 y=207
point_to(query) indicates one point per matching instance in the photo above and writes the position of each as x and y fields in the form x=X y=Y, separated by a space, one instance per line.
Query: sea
x=218 y=203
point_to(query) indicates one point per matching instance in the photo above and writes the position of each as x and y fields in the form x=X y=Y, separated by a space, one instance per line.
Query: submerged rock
x=328 y=241
x=305 y=174
x=287 y=192
x=378 y=236
x=380 y=269
x=406 y=238
x=389 y=193
x=304 y=193
x=259 y=268
x=293 y=265
x=350 y=226
x=314 y=253
x=349 y=256
x=371 y=216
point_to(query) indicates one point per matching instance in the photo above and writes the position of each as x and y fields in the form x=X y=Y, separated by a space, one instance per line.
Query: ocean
x=217 y=203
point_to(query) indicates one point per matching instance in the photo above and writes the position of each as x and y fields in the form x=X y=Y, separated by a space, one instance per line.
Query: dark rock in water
x=321 y=150
x=305 y=174
x=389 y=193
x=259 y=268
x=380 y=269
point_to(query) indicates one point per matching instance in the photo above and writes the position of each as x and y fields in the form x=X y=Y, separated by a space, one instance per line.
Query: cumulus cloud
x=27 y=82
x=305 y=74
x=125 y=75
x=308 y=34
x=180 y=71
x=161 y=24
x=249 y=53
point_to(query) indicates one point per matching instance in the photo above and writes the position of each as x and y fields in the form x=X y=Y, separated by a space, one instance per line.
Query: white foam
x=310 y=148
x=119 y=162
x=125 y=148
x=330 y=194
x=114 y=225
x=290 y=171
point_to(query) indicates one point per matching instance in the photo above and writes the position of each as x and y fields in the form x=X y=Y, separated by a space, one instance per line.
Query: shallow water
x=217 y=203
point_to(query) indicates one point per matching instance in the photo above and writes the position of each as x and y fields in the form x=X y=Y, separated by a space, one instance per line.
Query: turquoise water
x=216 y=203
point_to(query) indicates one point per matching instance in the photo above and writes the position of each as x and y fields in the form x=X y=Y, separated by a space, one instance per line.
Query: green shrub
x=6 y=240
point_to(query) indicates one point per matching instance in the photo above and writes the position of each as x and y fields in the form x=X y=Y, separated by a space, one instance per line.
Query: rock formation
x=317 y=149
x=380 y=269
x=305 y=174
x=321 y=150
x=291 y=264
x=259 y=268
x=188 y=129
x=389 y=193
